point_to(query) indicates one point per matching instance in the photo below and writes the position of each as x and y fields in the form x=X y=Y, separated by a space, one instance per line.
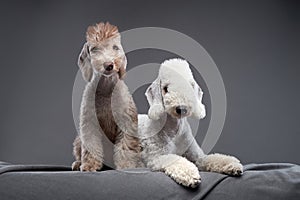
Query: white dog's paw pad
x=222 y=164
x=187 y=175
x=195 y=183
x=234 y=169
x=187 y=181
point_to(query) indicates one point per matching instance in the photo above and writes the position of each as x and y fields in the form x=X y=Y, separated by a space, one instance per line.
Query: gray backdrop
x=255 y=45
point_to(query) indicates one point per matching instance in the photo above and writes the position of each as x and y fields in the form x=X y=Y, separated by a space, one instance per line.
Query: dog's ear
x=199 y=110
x=154 y=97
x=122 y=69
x=85 y=64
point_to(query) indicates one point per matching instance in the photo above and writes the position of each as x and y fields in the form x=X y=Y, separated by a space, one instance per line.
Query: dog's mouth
x=179 y=116
x=109 y=74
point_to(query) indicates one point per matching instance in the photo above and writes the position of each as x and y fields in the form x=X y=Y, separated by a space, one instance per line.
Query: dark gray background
x=255 y=45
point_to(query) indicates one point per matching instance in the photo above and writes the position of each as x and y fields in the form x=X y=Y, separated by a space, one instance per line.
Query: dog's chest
x=105 y=117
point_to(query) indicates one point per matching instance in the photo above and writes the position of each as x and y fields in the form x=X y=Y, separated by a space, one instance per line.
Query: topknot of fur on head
x=175 y=65
x=100 y=32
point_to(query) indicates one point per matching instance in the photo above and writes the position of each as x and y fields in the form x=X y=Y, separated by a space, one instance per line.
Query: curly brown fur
x=100 y=32
x=107 y=107
x=77 y=154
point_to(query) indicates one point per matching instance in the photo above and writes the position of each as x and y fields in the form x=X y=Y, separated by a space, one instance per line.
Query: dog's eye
x=115 y=47
x=166 y=89
x=95 y=49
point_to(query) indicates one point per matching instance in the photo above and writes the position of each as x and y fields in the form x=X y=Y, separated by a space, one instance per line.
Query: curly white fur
x=167 y=140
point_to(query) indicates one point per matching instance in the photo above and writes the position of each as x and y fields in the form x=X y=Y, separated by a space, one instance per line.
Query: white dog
x=166 y=136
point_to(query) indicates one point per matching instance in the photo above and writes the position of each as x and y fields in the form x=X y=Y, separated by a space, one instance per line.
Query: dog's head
x=175 y=92
x=102 y=53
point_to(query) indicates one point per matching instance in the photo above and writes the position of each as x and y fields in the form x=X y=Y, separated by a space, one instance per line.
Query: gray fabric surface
x=264 y=181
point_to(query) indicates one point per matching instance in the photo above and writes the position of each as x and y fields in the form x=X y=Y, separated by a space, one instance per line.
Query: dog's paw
x=76 y=165
x=222 y=164
x=233 y=169
x=87 y=167
x=184 y=172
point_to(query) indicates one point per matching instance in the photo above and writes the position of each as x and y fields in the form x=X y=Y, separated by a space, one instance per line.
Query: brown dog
x=107 y=108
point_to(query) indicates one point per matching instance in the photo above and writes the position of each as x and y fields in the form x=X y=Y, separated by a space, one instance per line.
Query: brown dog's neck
x=104 y=90
x=106 y=85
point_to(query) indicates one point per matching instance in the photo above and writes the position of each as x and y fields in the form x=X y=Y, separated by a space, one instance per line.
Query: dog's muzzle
x=109 y=69
x=108 y=66
x=181 y=110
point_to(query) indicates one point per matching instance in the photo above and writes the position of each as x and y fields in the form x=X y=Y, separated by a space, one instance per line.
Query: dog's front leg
x=178 y=168
x=91 y=149
x=89 y=162
x=90 y=131
x=213 y=162
x=127 y=152
x=77 y=153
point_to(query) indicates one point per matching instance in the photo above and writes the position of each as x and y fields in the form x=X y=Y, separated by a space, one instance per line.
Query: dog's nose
x=181 y=110
x=108 y=66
